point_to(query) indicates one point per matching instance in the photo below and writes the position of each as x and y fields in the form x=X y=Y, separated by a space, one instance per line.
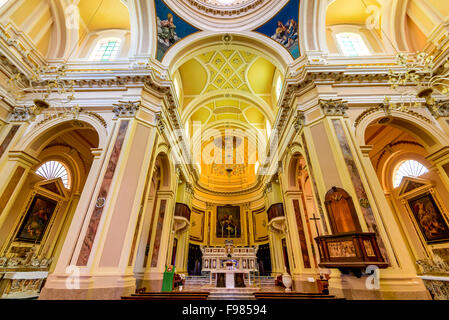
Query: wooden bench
x=290 y=295
x=188 y=295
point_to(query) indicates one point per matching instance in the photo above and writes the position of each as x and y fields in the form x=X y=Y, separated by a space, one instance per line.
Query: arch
x=63 y=39
x=213 y=128
x=417 y=125
x=167 y=176
x=90 y=44
x=292 y=171
x=141 y=17
x=258 y=102
x=40 y=135
x=393 y=22
x=271 y=50
x=313 y=21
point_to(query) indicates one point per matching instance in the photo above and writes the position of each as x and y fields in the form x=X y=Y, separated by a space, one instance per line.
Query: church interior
x=224 y=149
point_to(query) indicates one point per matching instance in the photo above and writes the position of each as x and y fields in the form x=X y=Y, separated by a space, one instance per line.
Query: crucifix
x=315 y=219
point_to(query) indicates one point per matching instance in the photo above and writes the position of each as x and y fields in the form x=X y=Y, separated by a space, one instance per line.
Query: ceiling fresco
x=283 y=28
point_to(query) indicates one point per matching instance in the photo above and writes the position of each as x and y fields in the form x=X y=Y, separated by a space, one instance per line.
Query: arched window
x=408 y=168
x=352 y=44
x=107 y=49
x=54 y=169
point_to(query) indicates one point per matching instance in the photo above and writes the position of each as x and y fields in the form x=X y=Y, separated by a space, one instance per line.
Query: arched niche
x=423 y=129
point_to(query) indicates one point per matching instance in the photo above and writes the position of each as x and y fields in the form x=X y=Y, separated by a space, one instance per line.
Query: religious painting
x=342 y=249
x=283 y=28
x=429 y=218
x=36 y=219
x=170 y=28
x=228 y=222
x=197 y=224
x=260 y=225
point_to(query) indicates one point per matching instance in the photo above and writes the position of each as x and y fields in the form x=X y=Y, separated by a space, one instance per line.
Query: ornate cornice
x=215 y=8
x=307 y=79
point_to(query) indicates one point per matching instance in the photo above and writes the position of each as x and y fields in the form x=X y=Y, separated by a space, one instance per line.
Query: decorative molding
x=96 y=116
x=296 y=86
x=299 y=121
x=333 y=107
x=389 y=148
x=81 y=111
x=366 y=113
x=216 y=9
x=387 y=111
x=126 y=109
x=21 y=114
x=160 y=123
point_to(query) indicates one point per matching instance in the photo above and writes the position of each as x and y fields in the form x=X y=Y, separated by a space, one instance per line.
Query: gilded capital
x=125 y=109
x=333 y=107
x=21 y=114
x=439 y=109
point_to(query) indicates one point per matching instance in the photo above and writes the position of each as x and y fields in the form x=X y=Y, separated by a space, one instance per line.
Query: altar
x=229 y=279
x=229 y=266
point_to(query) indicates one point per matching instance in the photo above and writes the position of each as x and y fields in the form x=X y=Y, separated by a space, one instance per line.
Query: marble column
x=304 y=267
x=94 y=259
x=338 y=161
x=160 y=234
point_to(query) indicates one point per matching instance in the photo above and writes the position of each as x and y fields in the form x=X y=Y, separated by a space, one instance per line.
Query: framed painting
x=36 y=219
x=429 y=218
x=197 y=225
x=228 y=222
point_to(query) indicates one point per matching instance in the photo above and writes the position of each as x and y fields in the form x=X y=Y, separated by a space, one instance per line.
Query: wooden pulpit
x=348 y=248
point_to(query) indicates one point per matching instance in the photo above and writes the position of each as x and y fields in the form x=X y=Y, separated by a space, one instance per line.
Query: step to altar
x=231 y=294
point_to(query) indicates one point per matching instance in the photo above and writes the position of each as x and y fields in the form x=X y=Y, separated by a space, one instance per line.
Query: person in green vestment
x=167 y=283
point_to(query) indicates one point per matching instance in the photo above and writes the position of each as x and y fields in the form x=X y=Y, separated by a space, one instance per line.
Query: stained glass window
x=409 y=168
x=106 y=49
x=352 y=44
x=54 y=169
